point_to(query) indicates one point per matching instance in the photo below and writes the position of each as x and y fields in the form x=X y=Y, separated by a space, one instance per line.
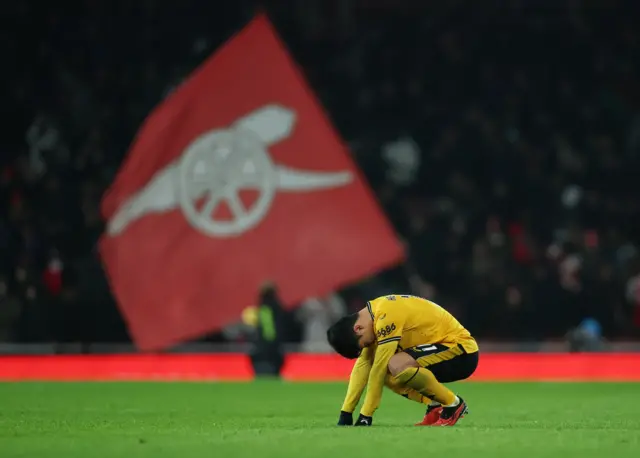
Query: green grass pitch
x=281 y=420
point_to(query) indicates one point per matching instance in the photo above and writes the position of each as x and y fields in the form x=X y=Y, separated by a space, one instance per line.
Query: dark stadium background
x=502 y=139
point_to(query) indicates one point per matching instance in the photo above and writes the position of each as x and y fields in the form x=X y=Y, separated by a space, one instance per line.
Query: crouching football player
x=412 y=346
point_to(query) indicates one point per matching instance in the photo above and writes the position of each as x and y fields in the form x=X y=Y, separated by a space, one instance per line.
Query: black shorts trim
x=448 y=364
x=420 y=351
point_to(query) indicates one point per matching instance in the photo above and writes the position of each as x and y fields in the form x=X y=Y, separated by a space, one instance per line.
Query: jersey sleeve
x=358 y=380
x=388 y=329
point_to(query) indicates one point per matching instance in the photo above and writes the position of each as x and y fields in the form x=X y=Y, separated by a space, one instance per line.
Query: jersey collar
x=370 y=310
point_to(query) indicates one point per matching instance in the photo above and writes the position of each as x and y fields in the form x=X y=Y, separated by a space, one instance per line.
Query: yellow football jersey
x=413 y=321
x=400 y=322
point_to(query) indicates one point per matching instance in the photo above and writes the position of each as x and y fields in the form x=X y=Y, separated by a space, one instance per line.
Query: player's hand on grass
x=363 y=420
x=346 y=418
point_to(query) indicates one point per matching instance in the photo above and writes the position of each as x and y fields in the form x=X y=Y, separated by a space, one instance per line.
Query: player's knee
x=399 y=362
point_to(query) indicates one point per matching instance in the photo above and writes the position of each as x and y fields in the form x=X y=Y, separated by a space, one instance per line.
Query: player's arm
x=388 y=332
x=357 y=384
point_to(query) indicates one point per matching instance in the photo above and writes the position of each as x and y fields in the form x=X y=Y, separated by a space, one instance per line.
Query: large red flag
x=236 y=178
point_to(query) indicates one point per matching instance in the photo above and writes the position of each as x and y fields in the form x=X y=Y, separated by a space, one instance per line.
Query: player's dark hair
x=343 y=338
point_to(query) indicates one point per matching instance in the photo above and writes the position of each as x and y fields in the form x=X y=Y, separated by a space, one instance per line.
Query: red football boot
x=432 y=415
x=450 y=415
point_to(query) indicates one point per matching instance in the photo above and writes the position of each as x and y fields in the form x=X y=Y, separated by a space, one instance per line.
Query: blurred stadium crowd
x=502 y=139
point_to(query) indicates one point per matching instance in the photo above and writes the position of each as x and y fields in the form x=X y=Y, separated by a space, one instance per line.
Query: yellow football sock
x=417 y=397
x=423 y=381
x=405 y=391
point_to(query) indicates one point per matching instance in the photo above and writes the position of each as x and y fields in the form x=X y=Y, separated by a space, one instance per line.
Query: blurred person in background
x=586 y=337
x=268 y=352
x=315 y=315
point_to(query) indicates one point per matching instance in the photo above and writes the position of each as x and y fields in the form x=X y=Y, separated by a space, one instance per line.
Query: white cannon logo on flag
x=216 y=166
